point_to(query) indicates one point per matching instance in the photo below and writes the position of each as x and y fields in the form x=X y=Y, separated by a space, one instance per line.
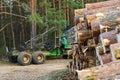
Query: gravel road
x=9 y=71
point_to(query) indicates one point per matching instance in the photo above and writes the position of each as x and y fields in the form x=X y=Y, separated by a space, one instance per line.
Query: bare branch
x=13 y=14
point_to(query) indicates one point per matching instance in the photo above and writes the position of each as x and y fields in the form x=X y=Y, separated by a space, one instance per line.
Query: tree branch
x=13 y=14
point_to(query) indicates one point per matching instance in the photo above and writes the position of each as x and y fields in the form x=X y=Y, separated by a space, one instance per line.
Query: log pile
x=95 y=24
x=96 y=11
x=103 y=17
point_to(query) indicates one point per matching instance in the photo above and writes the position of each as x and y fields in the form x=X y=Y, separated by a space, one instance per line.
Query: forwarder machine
x=37 y=48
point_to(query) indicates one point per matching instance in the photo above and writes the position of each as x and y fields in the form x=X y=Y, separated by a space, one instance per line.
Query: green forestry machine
x=36 y=49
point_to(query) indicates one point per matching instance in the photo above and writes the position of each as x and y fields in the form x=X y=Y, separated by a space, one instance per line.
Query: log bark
x=79 y=15
x=102 y=4
x=84 y=35
x=111 y=36
x=115 y=51
x=95 y=29
x=95 y=11
x=107 y=58
x=100 y=72
x=106 y=18
x=79 y=12
x=111 y=20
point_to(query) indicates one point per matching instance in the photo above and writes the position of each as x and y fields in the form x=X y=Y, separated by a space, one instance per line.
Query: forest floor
x=56 y=69
x=11 y=71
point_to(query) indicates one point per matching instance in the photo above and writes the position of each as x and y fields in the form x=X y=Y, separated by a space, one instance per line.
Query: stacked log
x=106 y=58
x=95 y=11
x=108 y=38
x=100 y=72
x=80 y=12
x=95 y=29
x=92 y=6
x=84 y=35
x=115 y=51
x=91 y=18
x=111 y=20
x=79 y=15
x=111 y=36
x=103 y=23
x=100 y=49
x=101 y=19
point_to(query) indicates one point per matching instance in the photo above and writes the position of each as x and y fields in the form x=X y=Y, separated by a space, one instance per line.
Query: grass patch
x=92 y=77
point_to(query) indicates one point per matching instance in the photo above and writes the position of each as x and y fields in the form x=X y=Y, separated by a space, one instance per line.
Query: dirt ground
x=10 y=71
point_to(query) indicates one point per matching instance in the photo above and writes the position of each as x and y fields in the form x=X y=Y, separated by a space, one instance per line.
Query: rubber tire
x=21 y=55
x=35 y=60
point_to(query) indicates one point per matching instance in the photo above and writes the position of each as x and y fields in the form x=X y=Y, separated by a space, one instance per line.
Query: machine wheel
x=38 y=58
x=24 y=58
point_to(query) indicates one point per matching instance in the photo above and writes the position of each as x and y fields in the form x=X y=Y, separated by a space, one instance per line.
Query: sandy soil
x=9 y=71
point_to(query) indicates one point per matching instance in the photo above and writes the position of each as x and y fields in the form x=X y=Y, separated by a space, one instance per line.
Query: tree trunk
x=22 y=26
x=53 y=1
x=71 y=13
x=12 y=30
x=33 y=8
x=64 y=9
x=67 y=10
x=4 y=37
x=2 y=17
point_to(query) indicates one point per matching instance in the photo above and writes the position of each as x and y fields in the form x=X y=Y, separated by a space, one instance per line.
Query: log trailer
x=36 y=52
x=96 y=34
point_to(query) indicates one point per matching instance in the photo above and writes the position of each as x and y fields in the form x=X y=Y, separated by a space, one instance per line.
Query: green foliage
x=45 y=4
x=78 y=5
x=53 y=17
x=75 y=4
x=36 y=18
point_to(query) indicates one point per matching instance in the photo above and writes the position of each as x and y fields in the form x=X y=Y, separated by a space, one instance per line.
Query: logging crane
x=33 y=54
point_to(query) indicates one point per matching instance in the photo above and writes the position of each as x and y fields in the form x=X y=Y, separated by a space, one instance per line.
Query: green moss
x=92 y=77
